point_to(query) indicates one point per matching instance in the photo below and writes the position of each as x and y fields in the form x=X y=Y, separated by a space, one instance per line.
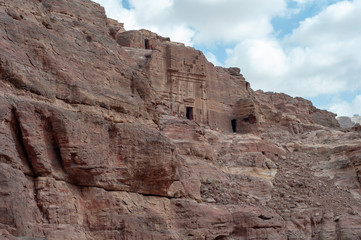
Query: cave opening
x=234 y=125
x=250 y=119
x=189 y=113
x=146 y=44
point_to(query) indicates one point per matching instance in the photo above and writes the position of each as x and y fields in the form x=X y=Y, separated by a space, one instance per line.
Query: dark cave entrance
x=234 y=125
x=189 y=113
x=146 y=44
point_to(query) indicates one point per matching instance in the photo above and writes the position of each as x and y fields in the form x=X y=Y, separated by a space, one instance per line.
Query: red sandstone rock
x=114 y=134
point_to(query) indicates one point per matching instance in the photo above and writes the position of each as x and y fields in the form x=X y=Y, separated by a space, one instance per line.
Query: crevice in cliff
x=20 y=145
x=264 y=217
x=52 y=138
x=58 y=156
x=154 y=195
x=31 y=62
x=21 y=149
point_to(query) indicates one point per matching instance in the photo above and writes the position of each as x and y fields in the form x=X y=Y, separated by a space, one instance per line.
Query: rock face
x=114 y=134
x=345 y=122
x=349 y=122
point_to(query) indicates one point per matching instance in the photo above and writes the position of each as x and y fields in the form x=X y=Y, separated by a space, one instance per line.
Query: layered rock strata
x=114 y=134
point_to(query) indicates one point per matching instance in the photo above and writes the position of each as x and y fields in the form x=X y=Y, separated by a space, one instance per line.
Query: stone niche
x=245 y=115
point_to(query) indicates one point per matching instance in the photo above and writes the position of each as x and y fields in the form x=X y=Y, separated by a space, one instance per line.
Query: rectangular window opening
x=189 y=113
x=146 y=43
x=234 y=125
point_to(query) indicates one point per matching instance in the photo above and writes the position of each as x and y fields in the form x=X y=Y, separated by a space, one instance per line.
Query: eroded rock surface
x=114 y=134
x=349 y=122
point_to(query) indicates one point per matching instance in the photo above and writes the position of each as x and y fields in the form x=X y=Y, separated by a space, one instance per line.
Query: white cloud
x=212 y=58
x=114 y=9
x=182 y=34
x=208 y=21
x=335 y=23
x=303 y=1
x=344 y=108
x=319 y=57
x=228 y=20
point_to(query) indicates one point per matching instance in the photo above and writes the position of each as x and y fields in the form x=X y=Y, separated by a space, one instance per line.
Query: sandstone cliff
x=114 y=134
x=349 y=122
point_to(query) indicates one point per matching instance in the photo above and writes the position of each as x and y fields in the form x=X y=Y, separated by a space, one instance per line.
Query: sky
x=305 y=48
